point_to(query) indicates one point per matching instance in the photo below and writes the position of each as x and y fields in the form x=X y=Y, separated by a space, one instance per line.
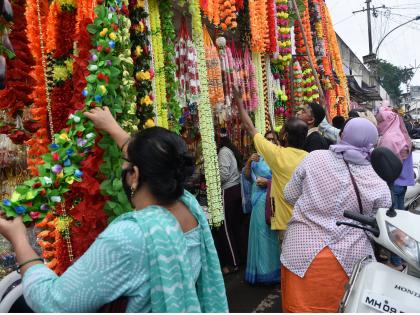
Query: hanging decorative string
x=270 y=87
x=211 y=165
x=152 y=61
x=160 y=81
x=260 y=112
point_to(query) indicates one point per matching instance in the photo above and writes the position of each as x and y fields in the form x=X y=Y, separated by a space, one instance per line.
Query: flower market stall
x=169 y=63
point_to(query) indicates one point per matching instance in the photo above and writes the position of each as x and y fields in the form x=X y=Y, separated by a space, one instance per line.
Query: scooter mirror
x=386 y=164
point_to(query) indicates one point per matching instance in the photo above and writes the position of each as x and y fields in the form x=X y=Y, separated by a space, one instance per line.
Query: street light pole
x=405 y=23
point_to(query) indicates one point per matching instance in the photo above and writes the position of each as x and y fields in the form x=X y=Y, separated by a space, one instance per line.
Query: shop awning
x=362 y=93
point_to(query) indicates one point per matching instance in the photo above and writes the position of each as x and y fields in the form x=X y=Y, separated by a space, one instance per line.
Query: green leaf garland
x=168 y=36
x=110 y=64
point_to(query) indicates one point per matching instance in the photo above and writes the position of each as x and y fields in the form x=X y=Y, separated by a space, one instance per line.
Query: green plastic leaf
x=93 y=29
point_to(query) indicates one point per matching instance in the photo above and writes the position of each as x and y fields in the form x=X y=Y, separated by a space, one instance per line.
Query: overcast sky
x=401 y=48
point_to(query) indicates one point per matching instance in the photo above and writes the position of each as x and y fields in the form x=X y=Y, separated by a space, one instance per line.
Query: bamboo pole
x=318 y=83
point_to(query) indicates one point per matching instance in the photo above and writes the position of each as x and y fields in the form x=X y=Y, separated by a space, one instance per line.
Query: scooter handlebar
x=364 y=219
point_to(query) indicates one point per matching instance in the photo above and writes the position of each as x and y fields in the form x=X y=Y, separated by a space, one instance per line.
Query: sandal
x=228 y=271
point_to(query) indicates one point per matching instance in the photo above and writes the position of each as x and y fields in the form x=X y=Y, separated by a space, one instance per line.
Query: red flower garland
x=90 y=218
x=272 y=24
x=16 y=96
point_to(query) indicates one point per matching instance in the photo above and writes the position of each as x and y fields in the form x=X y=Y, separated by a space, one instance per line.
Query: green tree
x=391 y=77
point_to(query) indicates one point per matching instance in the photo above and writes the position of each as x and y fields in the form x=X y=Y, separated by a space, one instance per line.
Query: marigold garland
x=38 y=144
x=259 y=25
x=342 y=89
x=160 y=80
x=211 y=165
x=221 y=13
x=299 y=41
x=214 y=71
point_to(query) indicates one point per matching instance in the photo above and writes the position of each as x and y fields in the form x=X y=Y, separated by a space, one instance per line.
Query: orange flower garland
x=300 y=44
x=221 y=13
x=38 y=144
x=259 y=25
x=214 y=71
x=50 y=41
x=342 y=87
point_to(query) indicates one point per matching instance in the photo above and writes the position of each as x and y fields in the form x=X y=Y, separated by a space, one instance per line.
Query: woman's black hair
x=225 y=142
x=164 y=162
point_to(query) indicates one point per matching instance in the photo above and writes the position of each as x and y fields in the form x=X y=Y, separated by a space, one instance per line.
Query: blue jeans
x=399 y=195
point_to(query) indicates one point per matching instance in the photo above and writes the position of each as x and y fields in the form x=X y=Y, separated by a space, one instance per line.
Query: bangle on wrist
x=125 y=144
x=27 y=262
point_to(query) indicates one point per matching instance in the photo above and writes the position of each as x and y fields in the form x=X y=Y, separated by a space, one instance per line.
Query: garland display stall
x=167 y=63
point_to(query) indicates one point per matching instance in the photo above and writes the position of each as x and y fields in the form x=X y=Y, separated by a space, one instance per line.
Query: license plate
x=384 y=304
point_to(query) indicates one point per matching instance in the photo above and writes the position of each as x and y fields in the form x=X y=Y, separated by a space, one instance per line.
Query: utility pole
x=369 y=26
x=371 y=57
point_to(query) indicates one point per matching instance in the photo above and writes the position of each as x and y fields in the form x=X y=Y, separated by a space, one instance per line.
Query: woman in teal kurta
x=161 y=258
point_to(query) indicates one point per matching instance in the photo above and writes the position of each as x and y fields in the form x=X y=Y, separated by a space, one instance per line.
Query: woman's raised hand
x=102 y=118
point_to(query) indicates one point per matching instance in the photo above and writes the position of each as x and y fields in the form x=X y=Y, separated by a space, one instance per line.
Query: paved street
x=244 y=298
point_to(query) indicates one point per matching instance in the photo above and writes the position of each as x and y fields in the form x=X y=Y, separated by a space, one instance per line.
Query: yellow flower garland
x=260 y=112
x=211 y=165
x=160 y=82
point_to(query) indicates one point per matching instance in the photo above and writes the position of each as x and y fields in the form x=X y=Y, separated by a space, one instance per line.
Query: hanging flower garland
x=271 y=84
x=260 y=112
x=299 y=41
x=61 y=166
x=321 y=49
x=283 y=34
x=16 y=97
x=250 y=78
x=168 y=36
x=331 y=95
x=214 y=71
x=221 y=13
x=310 y=89
x=259 y=25
x=38 y=144
x=160 y=80
x=298 y=84
x=142 y=58
x=272 y=27
x=187 y=69
x=85 y=201
x=211 y=165
x=342 y=89
x=60 y=48
x=227 y=67
x=280 y=107
x=61 y=25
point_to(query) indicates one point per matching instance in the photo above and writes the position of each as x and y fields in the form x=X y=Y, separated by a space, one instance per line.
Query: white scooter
x=375 y=287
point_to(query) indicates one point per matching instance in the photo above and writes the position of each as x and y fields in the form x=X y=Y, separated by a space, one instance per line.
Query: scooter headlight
x=404 y=242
